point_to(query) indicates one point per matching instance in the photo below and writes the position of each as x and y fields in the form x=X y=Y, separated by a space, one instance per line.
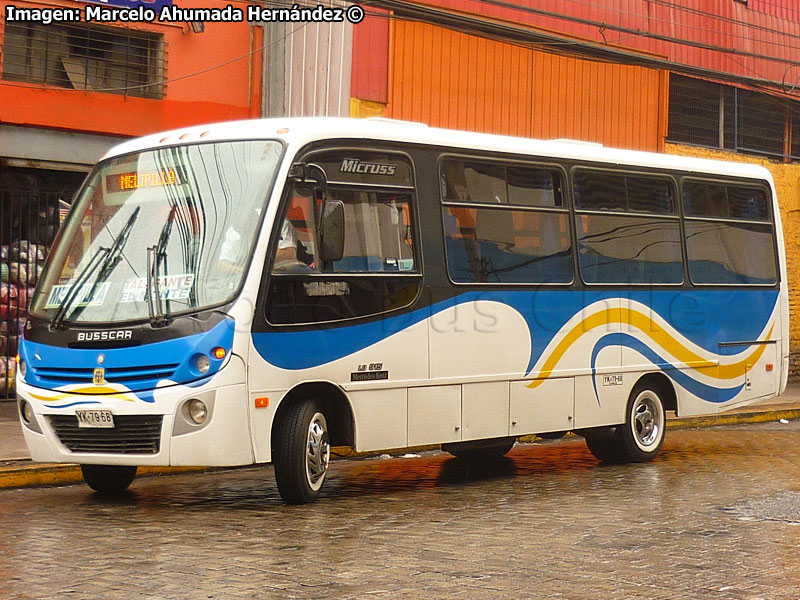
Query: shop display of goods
x=9 y=301
x=8 y=374
x=21 y=265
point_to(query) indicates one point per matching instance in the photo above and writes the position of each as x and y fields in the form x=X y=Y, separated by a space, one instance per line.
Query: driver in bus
x=290 y=254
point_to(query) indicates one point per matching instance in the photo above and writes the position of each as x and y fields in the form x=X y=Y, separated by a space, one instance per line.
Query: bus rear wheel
x=108 y=480
x=640 y=438
x=301 y=452
x=645 y=424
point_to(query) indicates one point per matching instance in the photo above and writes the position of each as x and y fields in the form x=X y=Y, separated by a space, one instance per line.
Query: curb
x=19 y=474
x=42 y=474
x=742 y=418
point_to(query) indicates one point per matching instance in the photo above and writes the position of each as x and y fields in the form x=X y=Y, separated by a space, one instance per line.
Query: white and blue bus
x=260 y=291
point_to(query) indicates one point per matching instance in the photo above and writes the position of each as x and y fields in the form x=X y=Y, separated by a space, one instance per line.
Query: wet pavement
x=715 y=516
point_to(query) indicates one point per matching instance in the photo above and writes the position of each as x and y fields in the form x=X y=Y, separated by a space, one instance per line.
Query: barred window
x=730 y=118
x=84 y=57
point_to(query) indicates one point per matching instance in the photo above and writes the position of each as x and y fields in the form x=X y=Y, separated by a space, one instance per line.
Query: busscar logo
x=353 y=165
x=105 y=336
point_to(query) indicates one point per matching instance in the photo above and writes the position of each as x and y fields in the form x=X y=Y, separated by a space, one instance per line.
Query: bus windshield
x=159 y=232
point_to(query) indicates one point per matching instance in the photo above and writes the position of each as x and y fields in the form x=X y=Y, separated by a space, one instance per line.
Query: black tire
x=645 y=423
x=108 y=480
x=491 y=450
x=640 y=438
x=301 y=451
x=605 y=448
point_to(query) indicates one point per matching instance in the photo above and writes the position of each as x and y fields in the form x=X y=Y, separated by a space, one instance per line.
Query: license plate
x=95 y=418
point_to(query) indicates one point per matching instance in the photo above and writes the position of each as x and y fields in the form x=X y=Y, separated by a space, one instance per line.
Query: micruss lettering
x=353 y=165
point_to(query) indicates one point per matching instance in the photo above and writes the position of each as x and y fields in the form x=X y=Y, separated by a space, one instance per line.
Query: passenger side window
x=377 y=271
x=729 y=234
x=641 y=247
x=505 y=223
x=378 y=234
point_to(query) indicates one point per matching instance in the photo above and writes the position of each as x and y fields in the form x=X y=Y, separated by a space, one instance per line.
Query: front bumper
x=224 y=439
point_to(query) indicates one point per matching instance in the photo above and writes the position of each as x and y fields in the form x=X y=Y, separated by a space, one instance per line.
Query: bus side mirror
x=331 y=231
x=308 y=178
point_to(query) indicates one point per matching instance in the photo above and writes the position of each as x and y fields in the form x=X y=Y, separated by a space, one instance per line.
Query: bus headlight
x=202 y=363
x=197 y=411
x=22 y=367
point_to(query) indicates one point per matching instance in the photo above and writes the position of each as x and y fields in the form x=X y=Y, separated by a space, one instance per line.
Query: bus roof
x=298 y=131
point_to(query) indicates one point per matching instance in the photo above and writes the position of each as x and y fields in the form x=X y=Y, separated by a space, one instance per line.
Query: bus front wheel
x=301 y=452
x=108 y=479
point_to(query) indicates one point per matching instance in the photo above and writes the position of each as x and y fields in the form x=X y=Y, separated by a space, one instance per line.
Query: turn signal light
x=262 y=402
x=770 y=366
x=219 y=353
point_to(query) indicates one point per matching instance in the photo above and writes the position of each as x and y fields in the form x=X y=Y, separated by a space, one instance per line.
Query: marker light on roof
x=283 y=131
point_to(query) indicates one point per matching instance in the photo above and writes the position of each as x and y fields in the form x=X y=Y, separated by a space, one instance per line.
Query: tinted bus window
x=706 y=199
x=508 y=239
x=598 y=190
x=730 y=253
x=649 y=194
x=493 y=183
x=621 y=249
x=507 y=246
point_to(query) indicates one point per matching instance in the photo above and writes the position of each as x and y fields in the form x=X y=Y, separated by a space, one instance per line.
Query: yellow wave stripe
x=106 y=392
x=645 y=324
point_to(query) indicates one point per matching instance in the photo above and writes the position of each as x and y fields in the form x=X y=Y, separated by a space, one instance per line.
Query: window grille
x=32 y=203
x=722 y=116
x=83 y=57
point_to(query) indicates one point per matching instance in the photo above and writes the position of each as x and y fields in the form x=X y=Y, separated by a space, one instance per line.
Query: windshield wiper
x=155 y=256
x=105 y=258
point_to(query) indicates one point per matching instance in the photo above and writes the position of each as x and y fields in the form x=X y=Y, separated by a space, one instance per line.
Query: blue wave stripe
x=73 y=404
x=701 y=390
x=704 y=317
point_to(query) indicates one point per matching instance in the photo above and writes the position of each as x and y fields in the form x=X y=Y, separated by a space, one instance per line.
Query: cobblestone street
x=714 y=517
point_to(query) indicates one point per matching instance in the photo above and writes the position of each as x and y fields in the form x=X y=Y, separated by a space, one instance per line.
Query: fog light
x=26 y=410
x=197 y=411
x=202 y=364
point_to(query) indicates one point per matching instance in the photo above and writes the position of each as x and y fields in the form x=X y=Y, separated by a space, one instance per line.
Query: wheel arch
x=335 y=404
x=664 y=385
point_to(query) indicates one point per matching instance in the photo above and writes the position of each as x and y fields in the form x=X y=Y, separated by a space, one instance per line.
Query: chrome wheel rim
x=647 y=420
x=318 y=451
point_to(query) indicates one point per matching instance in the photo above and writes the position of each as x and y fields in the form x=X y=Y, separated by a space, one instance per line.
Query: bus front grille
x=131 y=434
x=125 y=375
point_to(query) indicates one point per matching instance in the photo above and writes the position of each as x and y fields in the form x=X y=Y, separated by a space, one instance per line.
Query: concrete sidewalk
x=18 y=470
